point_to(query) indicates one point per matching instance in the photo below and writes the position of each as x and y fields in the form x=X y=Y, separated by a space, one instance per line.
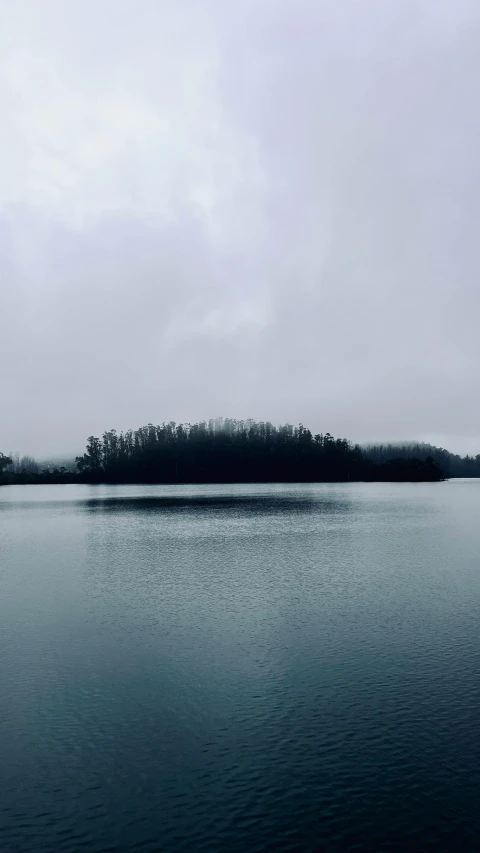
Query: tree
x=5 y=461
x=226 y=451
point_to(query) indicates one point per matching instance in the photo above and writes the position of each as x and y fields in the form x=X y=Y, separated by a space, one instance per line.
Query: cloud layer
x=250 y=209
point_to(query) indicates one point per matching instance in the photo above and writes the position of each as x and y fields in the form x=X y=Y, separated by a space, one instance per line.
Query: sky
x=247 y=208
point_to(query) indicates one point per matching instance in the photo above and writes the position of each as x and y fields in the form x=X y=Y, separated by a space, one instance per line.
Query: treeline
x=25 y=470
x=226 y=451
x=23 y=465
x=451 y=464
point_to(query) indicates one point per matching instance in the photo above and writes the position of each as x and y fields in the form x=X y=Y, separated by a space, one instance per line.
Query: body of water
x=236 y=669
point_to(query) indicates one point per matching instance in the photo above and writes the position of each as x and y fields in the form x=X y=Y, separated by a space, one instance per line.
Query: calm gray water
x=240 y=668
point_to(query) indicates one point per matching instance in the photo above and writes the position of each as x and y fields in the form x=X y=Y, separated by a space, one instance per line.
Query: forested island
x=225 y=450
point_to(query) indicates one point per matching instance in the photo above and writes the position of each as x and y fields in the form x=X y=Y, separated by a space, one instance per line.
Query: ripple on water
x=288 y=668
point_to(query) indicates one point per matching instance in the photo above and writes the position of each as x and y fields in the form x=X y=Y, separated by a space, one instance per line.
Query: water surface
x=240 y=668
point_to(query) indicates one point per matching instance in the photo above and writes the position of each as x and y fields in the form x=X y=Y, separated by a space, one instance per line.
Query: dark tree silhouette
x=5 y=461
x=451 y=464
x=228 y=450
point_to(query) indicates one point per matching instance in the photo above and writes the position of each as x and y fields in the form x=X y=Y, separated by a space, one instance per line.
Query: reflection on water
x=236 y=503
x=239 y=668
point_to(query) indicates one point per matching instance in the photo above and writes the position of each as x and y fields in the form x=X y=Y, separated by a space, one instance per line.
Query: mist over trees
x=220 y=450
x=226 y=450
x=5 y=463
x=22 y=464
x=451 y=464
x=25 y=469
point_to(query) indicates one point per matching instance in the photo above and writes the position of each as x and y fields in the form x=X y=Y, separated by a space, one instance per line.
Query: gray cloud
x=250 y=209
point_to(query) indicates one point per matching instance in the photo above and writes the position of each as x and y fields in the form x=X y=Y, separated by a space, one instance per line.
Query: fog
x=249 y=209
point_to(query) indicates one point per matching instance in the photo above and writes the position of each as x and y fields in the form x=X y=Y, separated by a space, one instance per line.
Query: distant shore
x=226 y=450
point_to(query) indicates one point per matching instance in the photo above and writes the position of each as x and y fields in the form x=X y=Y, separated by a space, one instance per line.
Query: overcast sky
x=248 y=208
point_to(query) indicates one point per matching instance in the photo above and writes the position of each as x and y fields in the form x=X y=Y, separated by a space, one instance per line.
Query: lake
x=233 y=669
